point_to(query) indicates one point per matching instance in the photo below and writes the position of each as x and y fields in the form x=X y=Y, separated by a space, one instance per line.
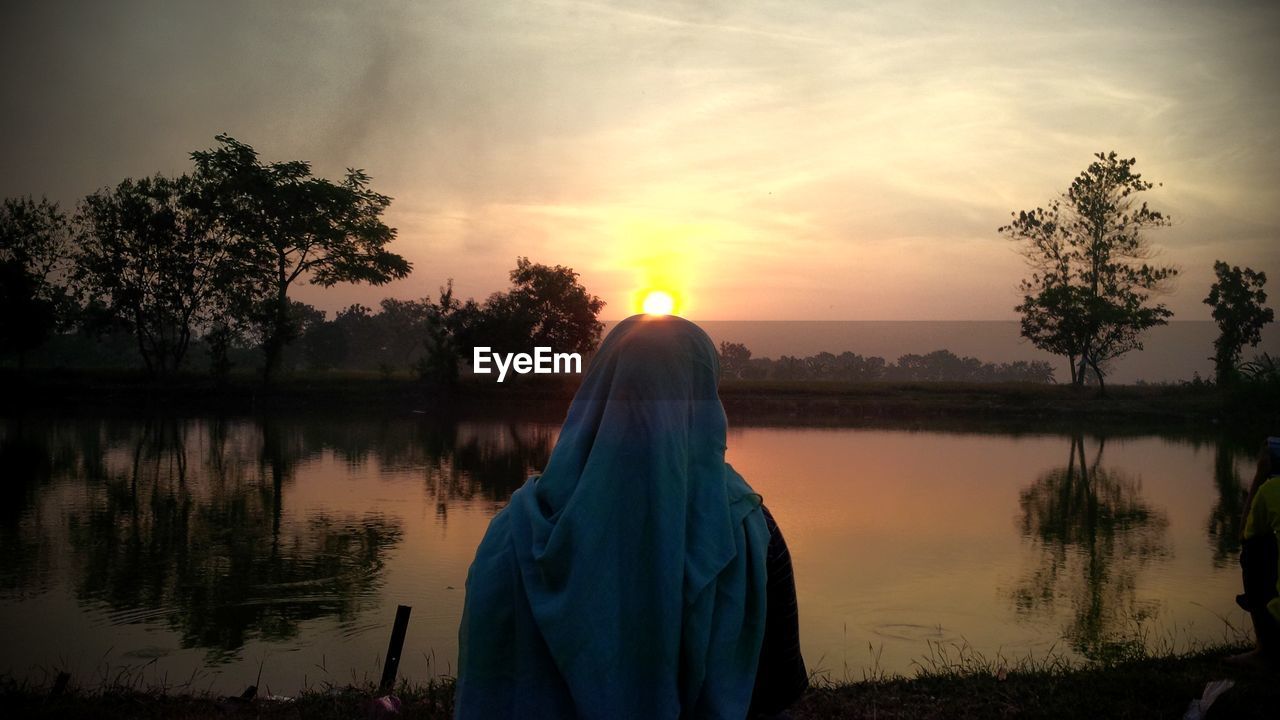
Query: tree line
x=210 y=258
x=938 y=366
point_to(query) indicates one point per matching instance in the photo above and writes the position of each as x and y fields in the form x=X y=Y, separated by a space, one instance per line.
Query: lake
x=203 y=552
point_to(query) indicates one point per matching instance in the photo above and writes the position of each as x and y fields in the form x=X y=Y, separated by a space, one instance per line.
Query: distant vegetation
x=938 y=366
x=195 y=273
x=428 y=338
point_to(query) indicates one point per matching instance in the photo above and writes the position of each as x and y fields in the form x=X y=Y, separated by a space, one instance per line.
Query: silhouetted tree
x=153 y=262
x=546 y=307
x=400 y=326
x=937 y=366
x=735 y=358
x=1238 y=303
x=448 y=324
x=790 y=367
x=218 y=341
x=33 y=254
x=324 y=345
x=1089 y=294
x=288 y=226
x=852 y=366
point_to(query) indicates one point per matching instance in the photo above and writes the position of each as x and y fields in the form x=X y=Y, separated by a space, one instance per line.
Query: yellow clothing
x=1264 y=516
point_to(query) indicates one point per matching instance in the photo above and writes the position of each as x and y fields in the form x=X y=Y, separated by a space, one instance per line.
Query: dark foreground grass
x=1151 y=687
x=1154 y=687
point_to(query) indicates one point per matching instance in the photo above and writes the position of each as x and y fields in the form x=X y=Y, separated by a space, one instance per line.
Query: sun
x=658 y=302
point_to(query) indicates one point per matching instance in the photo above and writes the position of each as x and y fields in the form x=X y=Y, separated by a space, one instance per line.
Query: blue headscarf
x=628 y=580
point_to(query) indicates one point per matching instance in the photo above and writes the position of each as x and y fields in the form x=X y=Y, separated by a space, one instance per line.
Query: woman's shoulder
x=768 y=518
x=1269 y=491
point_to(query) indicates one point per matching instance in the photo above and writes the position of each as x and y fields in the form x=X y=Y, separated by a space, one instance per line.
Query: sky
x=762 y=160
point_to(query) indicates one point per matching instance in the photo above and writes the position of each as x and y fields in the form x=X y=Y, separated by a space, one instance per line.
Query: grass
x=1012 y=402
x=1138 y=676
x=1153 y=687
x=951 y=681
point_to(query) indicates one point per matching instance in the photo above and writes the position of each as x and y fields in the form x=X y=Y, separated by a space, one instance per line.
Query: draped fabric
x=781 y=677
x=628 y=580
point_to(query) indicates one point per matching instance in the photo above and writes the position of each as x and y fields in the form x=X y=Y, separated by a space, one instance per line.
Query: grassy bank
x=1010 y=403
x=1150 y=687
x=746 y=402
x=1156 y=686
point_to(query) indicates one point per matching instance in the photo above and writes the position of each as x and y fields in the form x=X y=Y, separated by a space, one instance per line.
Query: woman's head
x=648 y=402
x=652 y=358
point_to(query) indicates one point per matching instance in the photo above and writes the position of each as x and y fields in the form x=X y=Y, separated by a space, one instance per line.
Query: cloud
x=800 y=150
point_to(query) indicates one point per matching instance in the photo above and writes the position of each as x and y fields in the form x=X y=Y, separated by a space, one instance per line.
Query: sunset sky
x=779 y=160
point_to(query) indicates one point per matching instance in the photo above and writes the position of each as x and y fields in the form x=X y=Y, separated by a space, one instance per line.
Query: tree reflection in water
x=1094 y=533
x=206 y=550
x=1226 y=517
x=183 y=522
x=32 y=456
x=27 y=468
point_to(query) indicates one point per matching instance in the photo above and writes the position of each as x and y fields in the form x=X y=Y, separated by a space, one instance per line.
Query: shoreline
x=1159 y=686
x=747 y=402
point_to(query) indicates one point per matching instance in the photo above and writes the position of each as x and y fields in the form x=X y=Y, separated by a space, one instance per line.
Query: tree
x=288 y=226
x=153 y=263
x=546 y=307
x=401 y=325
x=448 y=320
x=735 y=358
x=34 y=251
x=1089 y=296
x=1238 y=303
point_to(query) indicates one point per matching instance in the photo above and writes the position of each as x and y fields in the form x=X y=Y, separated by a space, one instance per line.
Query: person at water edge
x=639 y=575
x=1259 y=559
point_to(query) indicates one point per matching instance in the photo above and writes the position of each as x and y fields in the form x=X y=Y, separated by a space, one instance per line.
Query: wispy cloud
x=823 y=159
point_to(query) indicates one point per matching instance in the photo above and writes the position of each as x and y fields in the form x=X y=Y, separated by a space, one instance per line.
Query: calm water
x=206 y=551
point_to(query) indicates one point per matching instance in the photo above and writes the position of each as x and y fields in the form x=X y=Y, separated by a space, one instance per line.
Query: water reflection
x=489 y=463
x=204 y=549
x=292 y=538
x=1094 y=532
x=1226 y=517
x=27 y=467
x=184 y=523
